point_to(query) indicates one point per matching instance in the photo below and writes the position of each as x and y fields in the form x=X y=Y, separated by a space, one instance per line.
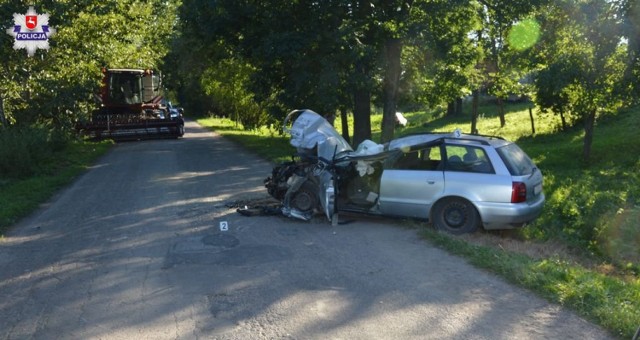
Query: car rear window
x=518 y=163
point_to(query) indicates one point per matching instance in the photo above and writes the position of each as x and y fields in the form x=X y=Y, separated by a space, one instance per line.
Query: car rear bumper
x=509 y=215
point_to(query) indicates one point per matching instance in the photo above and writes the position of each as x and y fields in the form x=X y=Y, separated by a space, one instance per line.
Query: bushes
x=25 y=150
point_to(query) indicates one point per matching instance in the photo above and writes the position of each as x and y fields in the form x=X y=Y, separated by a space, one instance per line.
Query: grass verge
x=19 y=197
x=612 y=302
x=265 y=142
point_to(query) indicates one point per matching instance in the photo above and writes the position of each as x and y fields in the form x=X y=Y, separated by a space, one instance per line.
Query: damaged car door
x=411 y=183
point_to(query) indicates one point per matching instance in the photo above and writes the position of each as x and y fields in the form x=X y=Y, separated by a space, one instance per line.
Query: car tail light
x=518 y=192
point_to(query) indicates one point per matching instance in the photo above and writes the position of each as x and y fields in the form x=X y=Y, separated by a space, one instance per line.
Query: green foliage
x=439 y=60
x=285 y=60
x=304 y=64
x=618 y=236
x=21 y=194
x=25 y=151
x=227 y=84
x=630 y=13
x=583 y=204
x=503 y=37
x=583 y=62
x=56 y=85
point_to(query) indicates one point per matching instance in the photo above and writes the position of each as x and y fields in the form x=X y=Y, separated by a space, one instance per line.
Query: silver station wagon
x=457 y=181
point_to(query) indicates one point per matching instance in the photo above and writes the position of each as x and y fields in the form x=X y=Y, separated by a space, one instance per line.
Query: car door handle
x=431 y=182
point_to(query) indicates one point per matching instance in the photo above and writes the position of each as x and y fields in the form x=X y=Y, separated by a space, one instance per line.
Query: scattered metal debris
x=256 y=207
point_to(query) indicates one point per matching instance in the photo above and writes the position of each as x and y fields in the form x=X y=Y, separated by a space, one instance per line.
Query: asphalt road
x=133 y=250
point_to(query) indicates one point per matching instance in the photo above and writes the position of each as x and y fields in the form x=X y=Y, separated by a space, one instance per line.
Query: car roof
x=425 y=139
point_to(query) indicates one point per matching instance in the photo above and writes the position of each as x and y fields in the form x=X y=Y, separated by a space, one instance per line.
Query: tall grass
x=24 y=149
x=34 y=163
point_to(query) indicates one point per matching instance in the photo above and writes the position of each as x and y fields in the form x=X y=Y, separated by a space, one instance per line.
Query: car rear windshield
x=518 y=163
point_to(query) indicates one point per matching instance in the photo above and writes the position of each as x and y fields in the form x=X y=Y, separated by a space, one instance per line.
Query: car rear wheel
x=455 y=216
x=306 y=198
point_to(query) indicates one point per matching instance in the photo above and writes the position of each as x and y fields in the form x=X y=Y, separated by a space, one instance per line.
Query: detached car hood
x=310 y=130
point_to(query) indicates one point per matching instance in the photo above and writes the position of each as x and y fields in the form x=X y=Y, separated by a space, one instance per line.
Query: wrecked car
x=458 y=182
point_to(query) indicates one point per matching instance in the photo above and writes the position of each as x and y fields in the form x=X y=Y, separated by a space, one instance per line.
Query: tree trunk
x=474 y=111
x=563 y=121
x=458 y=111
x=345 y=124
x=392 y=52
x=361 y=116
x=451 y=109
x=361 y=102
x=533 y=125
x=503 y=121
x=589 y=126
x=3 y=118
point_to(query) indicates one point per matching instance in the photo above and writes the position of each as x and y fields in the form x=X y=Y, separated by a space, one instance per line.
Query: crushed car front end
x=325 y=170
x=306 y=184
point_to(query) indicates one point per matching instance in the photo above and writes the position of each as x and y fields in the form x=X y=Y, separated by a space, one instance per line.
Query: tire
x=455 y=216
x=306 y=198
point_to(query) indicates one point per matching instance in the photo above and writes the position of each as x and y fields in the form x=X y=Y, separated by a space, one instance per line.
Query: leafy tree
x=424 y=48
x=630 y=10
x=553 y=85
x=296 y=62
x=227 y=83
x=584 y=62
x=56 y=86
x=192 y=52
x=439 y=58
x=498 y=17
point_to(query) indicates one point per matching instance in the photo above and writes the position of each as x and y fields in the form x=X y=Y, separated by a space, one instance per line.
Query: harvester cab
x=132 y=107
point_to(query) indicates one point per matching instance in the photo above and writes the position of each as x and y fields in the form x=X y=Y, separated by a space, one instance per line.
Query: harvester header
x=132 y=107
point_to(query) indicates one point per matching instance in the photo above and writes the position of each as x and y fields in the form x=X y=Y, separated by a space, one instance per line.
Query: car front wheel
x=306 y=198
x=455 y=216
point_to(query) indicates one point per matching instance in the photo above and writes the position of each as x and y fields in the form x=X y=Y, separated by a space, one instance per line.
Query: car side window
x=467 y=159
x=423 y=159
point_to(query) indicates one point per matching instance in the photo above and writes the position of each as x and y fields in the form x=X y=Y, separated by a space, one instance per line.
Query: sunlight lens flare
x=524 y=34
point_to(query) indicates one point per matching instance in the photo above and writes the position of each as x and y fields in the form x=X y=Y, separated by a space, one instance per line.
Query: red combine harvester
x=132 y=107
